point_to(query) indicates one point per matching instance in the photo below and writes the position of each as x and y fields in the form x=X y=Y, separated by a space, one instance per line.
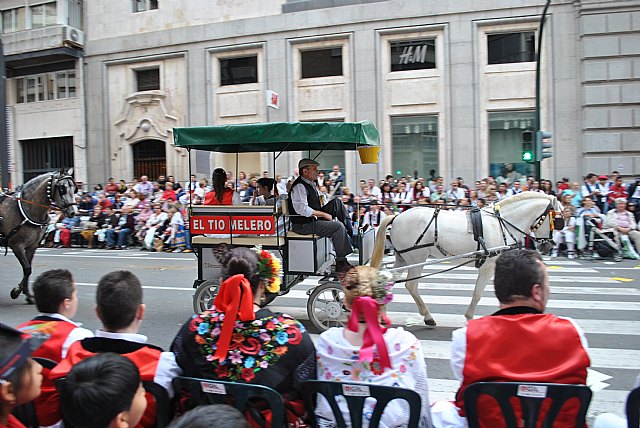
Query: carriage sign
x=246 y=225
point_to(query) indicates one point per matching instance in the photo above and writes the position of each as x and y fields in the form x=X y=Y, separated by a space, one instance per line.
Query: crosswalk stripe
x=491 y=301
x=550 y=268
x=622 y=291
x=556 y=278
x=589 y=326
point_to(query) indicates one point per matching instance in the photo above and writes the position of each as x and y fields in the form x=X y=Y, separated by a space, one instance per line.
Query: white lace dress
x=338 y=361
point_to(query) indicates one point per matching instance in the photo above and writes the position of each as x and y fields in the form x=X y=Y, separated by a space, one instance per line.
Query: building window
x=45 y=155
x=149 y=158
x=148 y=80
x=236 y=71
x=43 y=15
x=415 y=145
x=413 y=55
x=13 y=20
x=44 y=87
x=144 y=5
x=321 y=62
x=505 y=144
x=511 y=47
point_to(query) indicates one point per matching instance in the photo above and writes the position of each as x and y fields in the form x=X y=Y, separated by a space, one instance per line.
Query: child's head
x=119 y=300
x=201 y=417
x=20 y=376
x=103 y=392
x=55 y=292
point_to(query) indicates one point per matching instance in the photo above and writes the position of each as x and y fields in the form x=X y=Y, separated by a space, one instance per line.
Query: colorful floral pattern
x=255 y=345
x=353 y=370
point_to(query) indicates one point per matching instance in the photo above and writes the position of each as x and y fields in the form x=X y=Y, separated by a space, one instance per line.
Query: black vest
x=313 y=200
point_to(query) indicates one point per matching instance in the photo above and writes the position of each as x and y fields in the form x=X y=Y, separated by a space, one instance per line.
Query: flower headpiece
x=382 y=287
x=269 y=269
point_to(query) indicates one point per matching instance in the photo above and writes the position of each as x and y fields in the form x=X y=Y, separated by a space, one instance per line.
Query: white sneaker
x=554 y=253
x=571 y=256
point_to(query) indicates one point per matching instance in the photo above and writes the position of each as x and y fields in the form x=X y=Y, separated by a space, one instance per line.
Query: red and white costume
x=154 y=364
x=63 y=333
x=514 y=344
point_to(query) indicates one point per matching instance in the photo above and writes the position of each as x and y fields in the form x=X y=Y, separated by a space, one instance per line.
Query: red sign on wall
x=244 y=225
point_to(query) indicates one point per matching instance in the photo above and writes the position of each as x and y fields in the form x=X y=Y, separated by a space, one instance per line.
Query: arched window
x=150 y=159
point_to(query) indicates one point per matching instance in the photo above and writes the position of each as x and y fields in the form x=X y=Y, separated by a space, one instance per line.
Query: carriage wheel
x=326 y=308
x=204 y=296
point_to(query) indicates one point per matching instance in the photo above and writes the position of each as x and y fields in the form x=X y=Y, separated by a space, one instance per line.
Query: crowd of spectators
x=153 y=214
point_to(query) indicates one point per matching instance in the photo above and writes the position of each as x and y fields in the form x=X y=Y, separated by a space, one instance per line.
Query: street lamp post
x=538 y=61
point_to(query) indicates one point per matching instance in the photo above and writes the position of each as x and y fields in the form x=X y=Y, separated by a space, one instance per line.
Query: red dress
x=227 y=198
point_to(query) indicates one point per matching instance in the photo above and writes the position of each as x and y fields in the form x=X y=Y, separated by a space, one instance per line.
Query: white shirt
x=299 y=198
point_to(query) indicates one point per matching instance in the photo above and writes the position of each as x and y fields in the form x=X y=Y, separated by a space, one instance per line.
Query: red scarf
x=368 y=307
x=235 y=299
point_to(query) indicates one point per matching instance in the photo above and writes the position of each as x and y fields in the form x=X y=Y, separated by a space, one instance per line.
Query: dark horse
x=25 y=216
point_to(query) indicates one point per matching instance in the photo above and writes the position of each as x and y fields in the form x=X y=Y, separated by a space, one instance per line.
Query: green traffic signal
x=527 y=156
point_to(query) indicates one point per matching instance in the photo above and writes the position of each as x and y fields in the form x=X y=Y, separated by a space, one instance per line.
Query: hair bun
x=238 y=265
x=222 y=253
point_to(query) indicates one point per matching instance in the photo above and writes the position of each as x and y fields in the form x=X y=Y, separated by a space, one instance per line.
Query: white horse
x=419 y=233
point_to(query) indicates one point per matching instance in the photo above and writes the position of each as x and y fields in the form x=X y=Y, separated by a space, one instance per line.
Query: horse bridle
x=61 y=189
x=556 y=222
x=51 y=189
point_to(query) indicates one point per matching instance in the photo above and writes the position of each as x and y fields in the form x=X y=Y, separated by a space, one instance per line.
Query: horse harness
x=476 y=223
x=51 y=189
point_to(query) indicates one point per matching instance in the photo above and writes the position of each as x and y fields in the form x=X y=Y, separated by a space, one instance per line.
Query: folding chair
x=633 y=409
x=355 y=394
x=531 y=396
x=198 y=392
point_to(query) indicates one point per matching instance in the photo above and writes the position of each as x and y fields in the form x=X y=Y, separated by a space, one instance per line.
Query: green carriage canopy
x=278 y=136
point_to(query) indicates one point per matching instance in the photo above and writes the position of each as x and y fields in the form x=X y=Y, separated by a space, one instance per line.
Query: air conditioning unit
x=73 y=36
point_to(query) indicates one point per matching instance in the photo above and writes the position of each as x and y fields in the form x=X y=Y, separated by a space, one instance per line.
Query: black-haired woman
x=221 y=194
x=266 y=192
x=239 y=341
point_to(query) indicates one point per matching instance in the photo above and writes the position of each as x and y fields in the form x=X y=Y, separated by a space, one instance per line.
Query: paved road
x=603 y=297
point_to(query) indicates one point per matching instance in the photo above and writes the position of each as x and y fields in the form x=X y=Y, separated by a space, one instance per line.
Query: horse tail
x=378 y=248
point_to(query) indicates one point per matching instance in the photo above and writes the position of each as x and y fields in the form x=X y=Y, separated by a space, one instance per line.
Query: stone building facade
x=449 y=84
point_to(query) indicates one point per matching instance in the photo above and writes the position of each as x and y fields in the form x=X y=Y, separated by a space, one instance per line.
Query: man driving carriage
x=304 y=204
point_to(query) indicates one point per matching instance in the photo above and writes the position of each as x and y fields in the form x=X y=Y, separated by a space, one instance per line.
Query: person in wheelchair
x=566 y=236
x=519 y=343
x=623 y=222
x=237 y=340
x=369 y=351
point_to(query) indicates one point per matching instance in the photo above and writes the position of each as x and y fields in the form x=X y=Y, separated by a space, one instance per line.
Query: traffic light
x=527 y=146
x=541 y=145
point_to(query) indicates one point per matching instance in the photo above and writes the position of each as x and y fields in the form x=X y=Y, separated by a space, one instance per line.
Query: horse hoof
x=15 y=293
x=430 y=322
x=30 y=300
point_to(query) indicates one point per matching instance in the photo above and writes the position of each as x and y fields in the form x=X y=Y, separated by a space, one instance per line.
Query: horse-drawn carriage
x=266 y=226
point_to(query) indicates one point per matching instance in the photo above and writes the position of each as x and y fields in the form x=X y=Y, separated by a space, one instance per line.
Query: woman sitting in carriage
x=221 y=194
x=239 y=341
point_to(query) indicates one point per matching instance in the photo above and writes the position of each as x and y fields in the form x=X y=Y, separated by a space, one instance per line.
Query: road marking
x=150 y=287
x=554 y=289
x=492 y=302
x=623 y=279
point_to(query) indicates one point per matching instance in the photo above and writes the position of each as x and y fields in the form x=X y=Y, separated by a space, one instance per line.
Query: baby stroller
x=601 y=243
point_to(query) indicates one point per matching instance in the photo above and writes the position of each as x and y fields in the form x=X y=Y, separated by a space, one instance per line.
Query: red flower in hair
x=248 y=375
